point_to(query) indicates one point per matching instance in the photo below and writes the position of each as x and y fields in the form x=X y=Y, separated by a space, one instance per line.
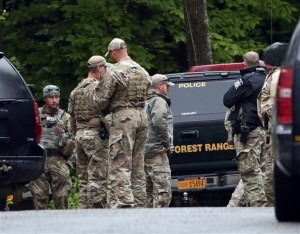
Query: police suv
x=22 y=158
x=204 y=172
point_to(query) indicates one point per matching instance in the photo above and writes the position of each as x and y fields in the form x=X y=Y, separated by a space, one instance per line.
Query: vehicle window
x=11 y=85
x=199 y=97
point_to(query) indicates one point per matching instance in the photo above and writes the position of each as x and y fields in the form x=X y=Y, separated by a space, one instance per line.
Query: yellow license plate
x=191 y=183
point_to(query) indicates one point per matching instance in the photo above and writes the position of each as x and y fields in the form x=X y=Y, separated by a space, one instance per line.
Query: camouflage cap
x=115 y=44
x=97 y=60
x=51 y=90
x=159 y=78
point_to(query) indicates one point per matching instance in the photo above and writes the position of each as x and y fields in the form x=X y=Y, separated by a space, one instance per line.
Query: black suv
x=22 y=158
x=204 y=172
x=286 y=134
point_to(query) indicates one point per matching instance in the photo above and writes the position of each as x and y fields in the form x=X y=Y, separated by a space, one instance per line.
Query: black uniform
x=244 y=94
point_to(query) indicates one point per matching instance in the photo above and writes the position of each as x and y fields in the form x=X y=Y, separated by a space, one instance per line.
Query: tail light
x=284 y=96
x=38 y=126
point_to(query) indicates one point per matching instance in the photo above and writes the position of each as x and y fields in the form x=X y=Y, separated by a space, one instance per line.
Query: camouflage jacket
x=83 y=110
x=125 y=84
x=265 y=99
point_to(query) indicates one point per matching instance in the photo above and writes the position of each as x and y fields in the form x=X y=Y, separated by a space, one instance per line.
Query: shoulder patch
x=238 y=83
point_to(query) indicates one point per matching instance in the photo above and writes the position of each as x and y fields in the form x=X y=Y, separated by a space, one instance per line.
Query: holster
x=236 y=128
x=244 y=133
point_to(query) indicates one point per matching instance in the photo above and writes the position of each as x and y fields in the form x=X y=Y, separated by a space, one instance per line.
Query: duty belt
x=237 y=127
x=53 y=152
x=127 y=107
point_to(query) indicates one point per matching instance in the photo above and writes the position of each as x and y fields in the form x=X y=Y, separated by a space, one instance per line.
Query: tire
x=287 y=193
x=2 y=203
x=22 y=205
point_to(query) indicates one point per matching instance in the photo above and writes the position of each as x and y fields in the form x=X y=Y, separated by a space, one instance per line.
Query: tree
x=54 y=39
x=239 y=26
x=197 y=33
x=50 y=40
x=3 y=15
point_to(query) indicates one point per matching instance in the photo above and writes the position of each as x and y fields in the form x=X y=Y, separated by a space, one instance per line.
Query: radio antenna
x=271 y=23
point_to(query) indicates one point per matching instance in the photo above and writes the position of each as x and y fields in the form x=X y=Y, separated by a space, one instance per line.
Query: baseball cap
x=50 y=90
x=159 y=78
x=115 y=44
x=97 y=60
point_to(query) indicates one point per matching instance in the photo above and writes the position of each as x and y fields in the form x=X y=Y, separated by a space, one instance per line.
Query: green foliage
x=51 y=40
x=55 y=38
x=240 y=26
x=74 y=193
x=3 y=15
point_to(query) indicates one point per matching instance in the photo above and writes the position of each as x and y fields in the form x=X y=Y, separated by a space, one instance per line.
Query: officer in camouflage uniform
x=273 y=55
x=249 y=136
x=123 y=91
x=91 y=150
x=55 y=137
x=237 y=198
x=159 y=143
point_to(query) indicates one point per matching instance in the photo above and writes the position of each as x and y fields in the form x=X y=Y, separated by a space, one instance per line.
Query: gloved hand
x=63 y=139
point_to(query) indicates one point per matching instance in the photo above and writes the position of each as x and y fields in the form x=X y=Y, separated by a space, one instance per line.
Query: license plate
x=191 y=183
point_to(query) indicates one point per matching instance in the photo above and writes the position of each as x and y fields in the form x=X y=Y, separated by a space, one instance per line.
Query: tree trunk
x=197 y=33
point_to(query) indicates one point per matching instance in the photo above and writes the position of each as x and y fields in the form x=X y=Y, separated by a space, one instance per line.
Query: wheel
x=287 y=193
x=2 y=203
x=22 y=205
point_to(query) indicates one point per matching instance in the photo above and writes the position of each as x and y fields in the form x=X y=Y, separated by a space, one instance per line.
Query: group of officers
x=248 y=122
x=119 y=127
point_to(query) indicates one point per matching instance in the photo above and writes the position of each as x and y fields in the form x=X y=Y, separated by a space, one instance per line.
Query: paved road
x=171 y=220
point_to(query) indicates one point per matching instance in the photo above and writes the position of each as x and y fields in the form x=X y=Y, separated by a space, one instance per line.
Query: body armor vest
x=137 y=84
x=84 y=109
x=52 y=129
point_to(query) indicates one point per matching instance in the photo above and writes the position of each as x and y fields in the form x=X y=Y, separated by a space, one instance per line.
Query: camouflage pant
x=91 y=167
x=251 y=165
x=57 y=177
x=269 y=186
x=158 y=181
x=126 y=175
x=237 y=198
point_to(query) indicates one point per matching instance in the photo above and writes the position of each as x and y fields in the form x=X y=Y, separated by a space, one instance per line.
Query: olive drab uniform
x=123 y=90
x=55 y=138
x=157 y=167
x=265 y=103
x=91 y=150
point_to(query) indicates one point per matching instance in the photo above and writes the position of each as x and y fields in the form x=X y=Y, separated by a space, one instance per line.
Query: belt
x=53 y=152
x=252 y=127
x=237 y=127
x=127 y=108
x=87 y=128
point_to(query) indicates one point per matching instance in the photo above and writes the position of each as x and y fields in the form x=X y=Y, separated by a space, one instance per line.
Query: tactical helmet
x=275 y=53
x=51 y=90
